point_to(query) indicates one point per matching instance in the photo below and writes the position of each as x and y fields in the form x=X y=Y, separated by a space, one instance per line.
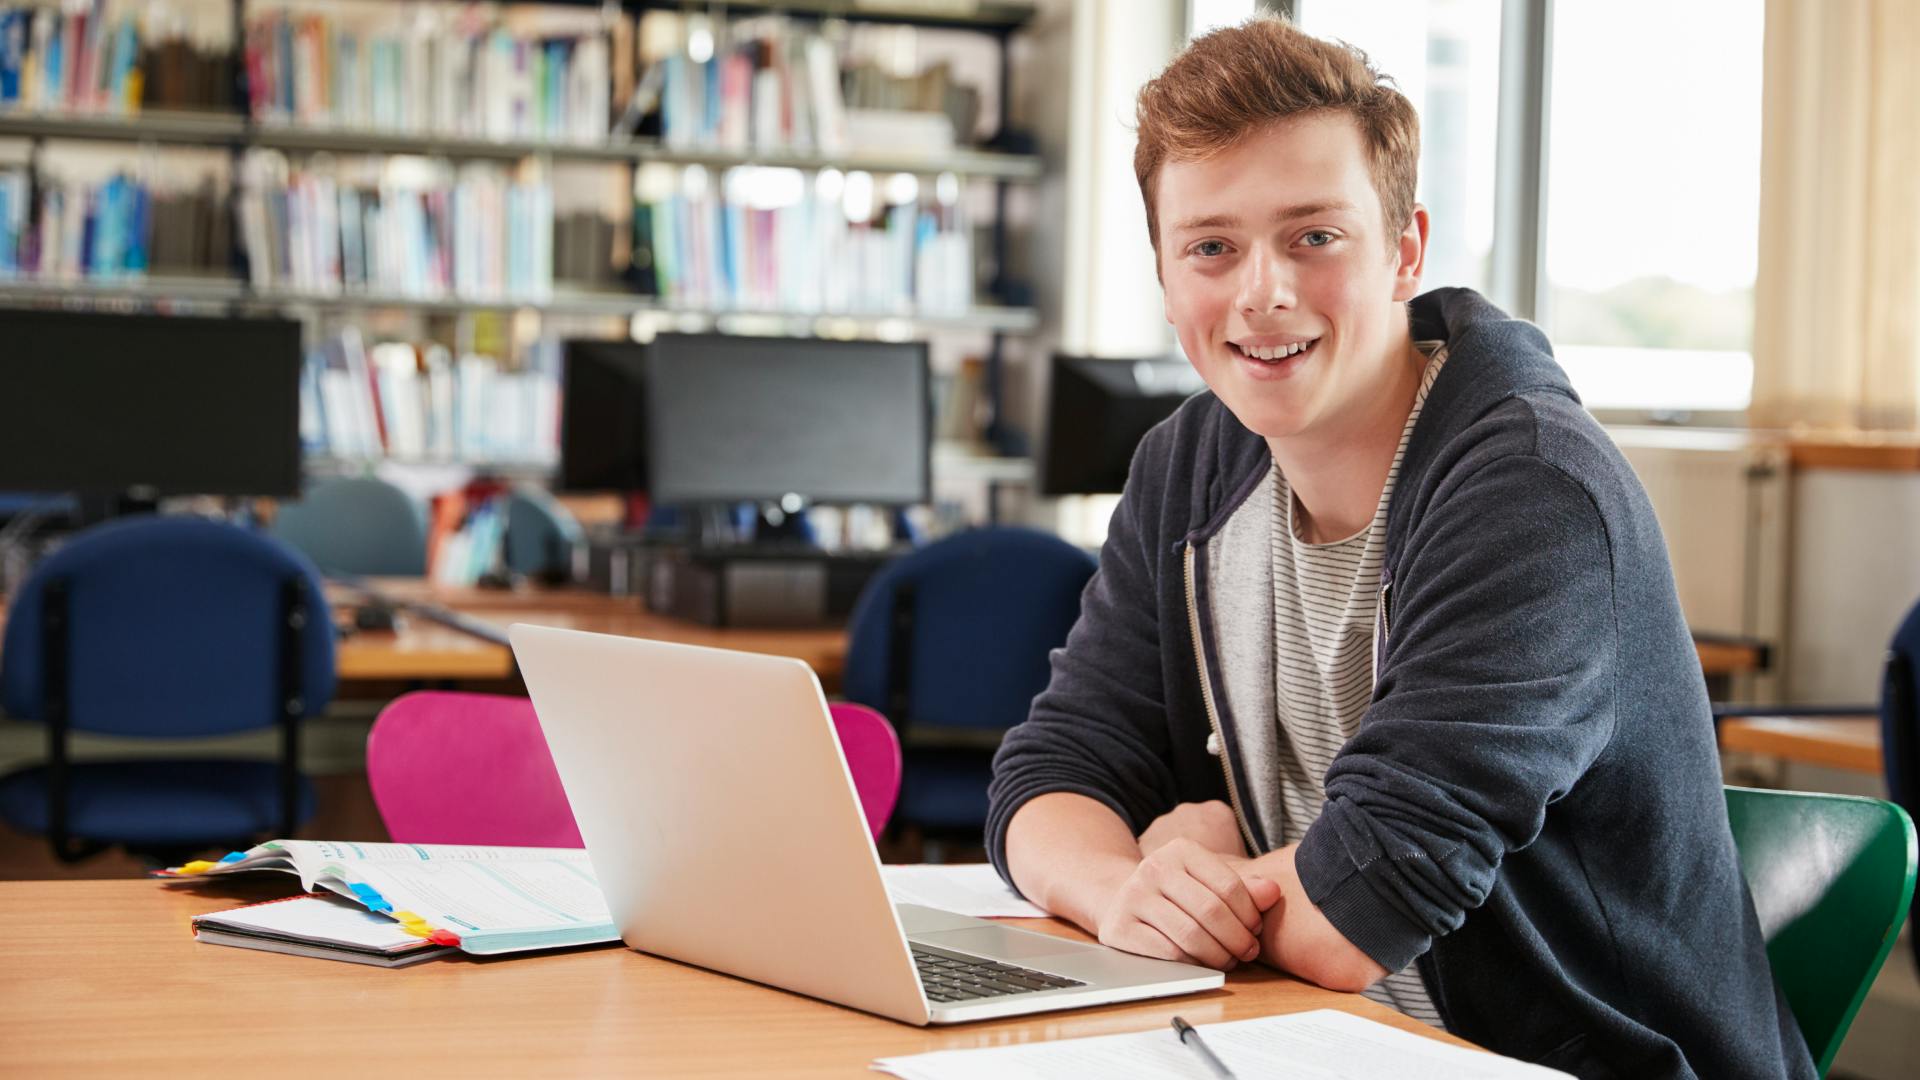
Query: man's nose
x=1266 y=283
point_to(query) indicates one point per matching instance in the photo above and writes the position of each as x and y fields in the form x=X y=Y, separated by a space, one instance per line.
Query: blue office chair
x=541 y=534
x=359 y=525
x=1900 y=722
x=951 y=643
x=164 y=628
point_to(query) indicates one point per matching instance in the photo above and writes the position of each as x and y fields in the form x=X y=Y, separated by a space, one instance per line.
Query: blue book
x=736 y=248
x=126 y=46
x=13 y=52
x=90 y=232
x=140 y=226
x=56 y=72
x=8 y=240
x=554 y=122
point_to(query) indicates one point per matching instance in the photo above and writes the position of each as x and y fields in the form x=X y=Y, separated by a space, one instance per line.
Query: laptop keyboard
x=951 y=977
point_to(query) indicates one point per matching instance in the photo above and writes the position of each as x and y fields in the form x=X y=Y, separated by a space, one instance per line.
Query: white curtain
x=1837 y=301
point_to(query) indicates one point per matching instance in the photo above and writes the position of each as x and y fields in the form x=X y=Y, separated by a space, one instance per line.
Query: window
x=1653 y=201
x=1445 y=56
x=1205 y=15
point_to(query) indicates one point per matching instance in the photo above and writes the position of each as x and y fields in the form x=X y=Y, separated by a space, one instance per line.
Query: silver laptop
x=723 y=825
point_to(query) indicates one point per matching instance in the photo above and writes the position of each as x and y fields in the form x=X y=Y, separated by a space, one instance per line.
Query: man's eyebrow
x=1285 y=213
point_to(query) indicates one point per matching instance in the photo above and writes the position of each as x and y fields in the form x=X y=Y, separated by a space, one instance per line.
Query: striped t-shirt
x=1324 y=601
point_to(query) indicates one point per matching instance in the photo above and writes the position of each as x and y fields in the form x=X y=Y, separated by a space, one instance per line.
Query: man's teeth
x=1278 y=352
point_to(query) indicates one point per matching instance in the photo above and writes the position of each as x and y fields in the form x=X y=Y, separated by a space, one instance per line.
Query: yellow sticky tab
x=197 y=866
x=413 y=924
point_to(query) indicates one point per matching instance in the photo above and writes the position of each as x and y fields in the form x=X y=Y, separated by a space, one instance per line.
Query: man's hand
x=1304 y=942
x=1184 y=902
x=1209 y=824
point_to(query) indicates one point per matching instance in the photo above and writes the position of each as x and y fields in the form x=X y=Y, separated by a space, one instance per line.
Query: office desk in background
x=105 y=977
x=1833 y=742
x=421 y=649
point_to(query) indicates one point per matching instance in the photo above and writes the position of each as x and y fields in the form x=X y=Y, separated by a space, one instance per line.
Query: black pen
x=1192 y=1041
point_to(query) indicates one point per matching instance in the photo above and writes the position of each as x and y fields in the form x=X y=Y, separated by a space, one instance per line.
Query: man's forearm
x=1301 y=941
x=1069 y=854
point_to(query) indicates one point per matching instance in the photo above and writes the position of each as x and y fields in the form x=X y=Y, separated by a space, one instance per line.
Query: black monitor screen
x=734 y=418
x=1097 y=413
x=603 y=422
x=173 y=405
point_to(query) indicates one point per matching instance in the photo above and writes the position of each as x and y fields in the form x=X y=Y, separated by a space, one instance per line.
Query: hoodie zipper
x=1381 y=626
x=1213 y=716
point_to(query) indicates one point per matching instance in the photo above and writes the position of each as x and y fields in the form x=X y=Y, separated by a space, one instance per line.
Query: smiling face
x=1281 y=280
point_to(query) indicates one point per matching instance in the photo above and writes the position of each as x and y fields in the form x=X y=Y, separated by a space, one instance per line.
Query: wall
x=1855 y=573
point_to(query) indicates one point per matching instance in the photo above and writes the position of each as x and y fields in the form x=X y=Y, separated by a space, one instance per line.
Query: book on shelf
x=479 y=899
x=467 y=535
x=777 y=240
x=765 y=83
x=456 y=70
x=478 y=230
x=61 y=228
x=417 y=402
x=319 y=925
x=115 y=56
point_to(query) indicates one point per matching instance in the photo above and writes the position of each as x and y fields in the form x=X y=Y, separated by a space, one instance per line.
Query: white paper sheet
x=964 y=889
x=1319 y=1045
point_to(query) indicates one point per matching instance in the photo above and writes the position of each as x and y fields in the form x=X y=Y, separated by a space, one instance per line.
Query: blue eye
x=1209 y=248
x=1325 y=238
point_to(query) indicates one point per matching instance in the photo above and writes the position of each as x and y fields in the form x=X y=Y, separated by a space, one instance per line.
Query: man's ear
x=1412 y=254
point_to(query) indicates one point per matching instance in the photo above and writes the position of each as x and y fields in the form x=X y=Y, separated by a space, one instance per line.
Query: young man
x=1382 y=680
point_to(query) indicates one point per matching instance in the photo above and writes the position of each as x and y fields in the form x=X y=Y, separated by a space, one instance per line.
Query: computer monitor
x=734 y=419
x=603 y=422
x=1097 y=413
x=110 y=405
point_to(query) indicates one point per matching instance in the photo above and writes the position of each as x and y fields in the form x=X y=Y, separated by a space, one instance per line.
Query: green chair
x=1831 y=877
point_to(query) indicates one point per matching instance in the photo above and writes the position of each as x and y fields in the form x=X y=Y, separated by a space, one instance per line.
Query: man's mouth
x=1274 y=354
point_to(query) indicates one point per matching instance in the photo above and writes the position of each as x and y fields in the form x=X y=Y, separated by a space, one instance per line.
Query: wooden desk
x=103 y=978
x=1719 y=659
x=422 y=649
x=1835 y=742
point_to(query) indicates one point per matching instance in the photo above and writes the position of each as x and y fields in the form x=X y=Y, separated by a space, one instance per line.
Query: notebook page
x=490 y=895
x=1318 y=1045
x=969 y=889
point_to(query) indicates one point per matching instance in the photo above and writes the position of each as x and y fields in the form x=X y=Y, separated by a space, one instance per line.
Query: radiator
x=1723 y=503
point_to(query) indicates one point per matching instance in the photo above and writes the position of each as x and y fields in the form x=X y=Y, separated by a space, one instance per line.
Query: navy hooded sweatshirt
x=1532 y=808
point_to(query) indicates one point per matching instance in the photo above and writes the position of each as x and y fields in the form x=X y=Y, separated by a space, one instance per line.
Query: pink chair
x=456 y=768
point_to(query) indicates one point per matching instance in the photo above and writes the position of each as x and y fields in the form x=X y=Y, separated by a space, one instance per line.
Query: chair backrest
x=541 y=534
x=175 y=626
x=457 y=768
x=357 y=525
x=873 y=757
x=977 y=614
x=1832 y=878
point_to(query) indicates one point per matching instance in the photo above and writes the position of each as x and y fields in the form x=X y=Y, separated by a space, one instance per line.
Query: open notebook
x=482 y=900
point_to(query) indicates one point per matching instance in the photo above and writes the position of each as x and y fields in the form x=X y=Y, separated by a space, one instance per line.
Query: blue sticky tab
x=371 y=897
x=233 y=856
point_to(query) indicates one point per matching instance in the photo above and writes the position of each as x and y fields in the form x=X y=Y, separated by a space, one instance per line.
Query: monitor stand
x=91 y=510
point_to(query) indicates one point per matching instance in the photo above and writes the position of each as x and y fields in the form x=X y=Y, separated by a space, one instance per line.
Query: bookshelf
x=242 y=131
x=211 y=129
